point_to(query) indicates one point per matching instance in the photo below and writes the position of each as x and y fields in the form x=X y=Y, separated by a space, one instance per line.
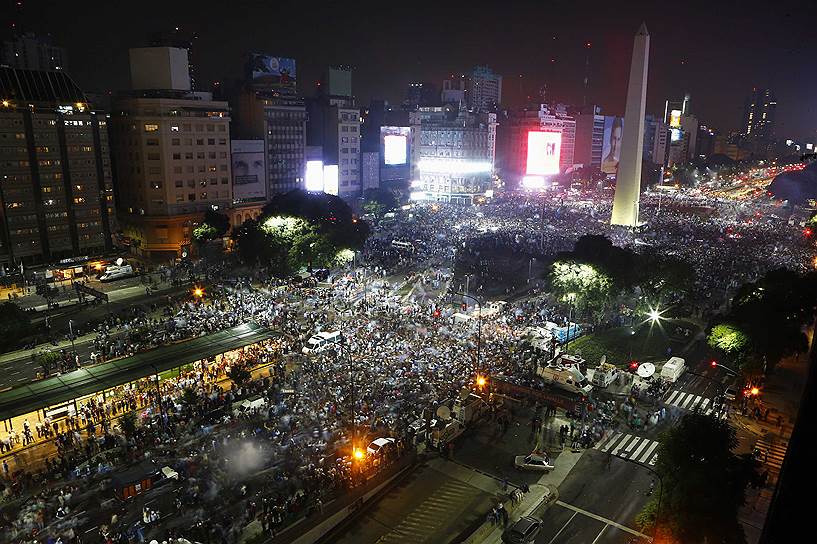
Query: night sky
x=716 y=50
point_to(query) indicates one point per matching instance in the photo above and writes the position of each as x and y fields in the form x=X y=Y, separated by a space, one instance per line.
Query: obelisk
x=628 y=177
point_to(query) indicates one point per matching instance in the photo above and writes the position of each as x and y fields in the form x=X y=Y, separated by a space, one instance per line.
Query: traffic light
x=633 y=366
x=436 y=313
x=713 y=364
x=807 y=232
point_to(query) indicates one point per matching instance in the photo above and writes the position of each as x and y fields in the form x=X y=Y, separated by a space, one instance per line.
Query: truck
x=116 y=272
x=604 y=375
x=564 y=372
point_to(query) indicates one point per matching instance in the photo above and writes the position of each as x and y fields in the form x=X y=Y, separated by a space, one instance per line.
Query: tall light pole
x=660 y=491
x=71 y=335
x=479 y=327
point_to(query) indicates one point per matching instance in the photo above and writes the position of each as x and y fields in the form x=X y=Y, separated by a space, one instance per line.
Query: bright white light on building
x=330 y=179
x=445 y=166
x=809 y=146
x=789 y=142
x=314 y=176
x=489 y=193
x=394 y=147
x=535 y=183
x=544 y=150
x=417 y=195
x=416 y=184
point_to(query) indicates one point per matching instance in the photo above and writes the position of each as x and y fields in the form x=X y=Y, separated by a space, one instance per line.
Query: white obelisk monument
x=628 y=178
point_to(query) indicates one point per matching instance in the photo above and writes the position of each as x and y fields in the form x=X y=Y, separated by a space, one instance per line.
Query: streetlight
x=198 y=292
x=479 y=325
x=660 y=492
x=71 y=335
x=655 y=315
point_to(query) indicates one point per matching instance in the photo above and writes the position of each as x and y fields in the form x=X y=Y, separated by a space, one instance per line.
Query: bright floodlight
x=654 y=315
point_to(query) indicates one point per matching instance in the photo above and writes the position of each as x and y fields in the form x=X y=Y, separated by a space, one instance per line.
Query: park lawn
x=648 y=344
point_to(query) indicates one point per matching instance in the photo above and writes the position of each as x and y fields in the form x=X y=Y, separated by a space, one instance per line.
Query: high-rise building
x=172 y=151
x=683 y=127
x=452 y=155
x=454 y=91
x=589 y=138
x=159 y=68
x=759 y=115
x=421 y=93
x=705 y=143
x=483 y=89
x=513 y=138
x=30 y=52
x=656 y=137
x=334 y=125
x=178 y=39
x=56 y=189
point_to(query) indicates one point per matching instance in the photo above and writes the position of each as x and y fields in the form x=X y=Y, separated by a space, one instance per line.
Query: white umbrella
x=645 y=370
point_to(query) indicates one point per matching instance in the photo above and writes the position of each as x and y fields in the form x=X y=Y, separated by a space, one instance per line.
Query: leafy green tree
x=729 y=338
x=378 y=201
x=703 y=483
x=583 y=286
x=663 y=278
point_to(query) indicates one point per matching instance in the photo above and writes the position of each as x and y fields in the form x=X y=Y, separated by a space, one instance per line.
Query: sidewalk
x=545 y=490
x=782 y=393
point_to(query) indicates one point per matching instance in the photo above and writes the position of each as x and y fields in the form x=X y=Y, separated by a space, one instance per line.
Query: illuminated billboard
x=330 y=179
x=675 y=118
x=611 y=146
x=544 y=149
x=272 y=72
x=675 y=134
x=314 y=176
x=394 y=145
x=248 y=170
x=394 y=149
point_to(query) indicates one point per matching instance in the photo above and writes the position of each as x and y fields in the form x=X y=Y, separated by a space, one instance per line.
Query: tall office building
x=172 y=150
x=454 y=90
x=759 y=115
x=513 y=138
x=656 y=138
x=483 y=89
x=421 y=93
x=334 y=125
x=452 y=153
x=589 y=138
x=30 y=52
x=56 y=191
x=178 y=39
x=683 y=128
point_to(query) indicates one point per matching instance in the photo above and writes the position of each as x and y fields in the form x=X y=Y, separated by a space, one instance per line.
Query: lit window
x=151 y=127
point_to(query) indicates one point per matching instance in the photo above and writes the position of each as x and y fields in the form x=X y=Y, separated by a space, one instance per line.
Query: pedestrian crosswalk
x=639 y=449
x=421 y=524
x=772 y=453
x=691 y=402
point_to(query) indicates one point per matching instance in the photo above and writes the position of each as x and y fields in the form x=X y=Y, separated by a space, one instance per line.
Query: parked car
x=379 y=446
x=321 y=341
x=730 y=394
x=534 y=462
x=523 y=531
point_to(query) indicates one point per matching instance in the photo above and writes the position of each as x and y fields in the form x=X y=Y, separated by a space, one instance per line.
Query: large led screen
x=314 y=176
x=330 y=179
x=544 y=149
x=394 y=148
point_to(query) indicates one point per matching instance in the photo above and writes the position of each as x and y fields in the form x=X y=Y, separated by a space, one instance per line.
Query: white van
x=115 y=272
x=673 y=369
x=321 y=341
x=568 y=378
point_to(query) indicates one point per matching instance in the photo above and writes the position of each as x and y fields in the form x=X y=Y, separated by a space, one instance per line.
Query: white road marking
x=640 y=447
x=612 y=440
x=600 y=533
x=647 y=453
x=672 y=397
x=598 y=518
x=552 y=540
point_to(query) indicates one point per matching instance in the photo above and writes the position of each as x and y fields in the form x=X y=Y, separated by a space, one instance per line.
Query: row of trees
x=765 y=322
x=596 y=272
x=300 y=229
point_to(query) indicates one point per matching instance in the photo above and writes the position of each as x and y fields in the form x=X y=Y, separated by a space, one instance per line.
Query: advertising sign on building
x=544 y=149
x=394 y=142
x=611 y=146
x=249 y=170
x=272 y=72
x=330 y=179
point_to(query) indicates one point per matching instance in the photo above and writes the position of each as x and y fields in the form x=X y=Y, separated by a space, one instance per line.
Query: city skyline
x=386 y=56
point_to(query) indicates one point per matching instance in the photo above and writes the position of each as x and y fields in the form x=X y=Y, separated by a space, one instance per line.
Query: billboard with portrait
x=248 y=170
x=272 y=72
x=611 y=145
x=544 y=150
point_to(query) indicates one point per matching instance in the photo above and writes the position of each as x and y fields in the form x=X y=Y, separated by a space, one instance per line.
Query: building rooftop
x=34 y=86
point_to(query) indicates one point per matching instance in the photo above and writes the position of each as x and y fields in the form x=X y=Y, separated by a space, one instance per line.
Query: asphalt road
x=596 y=504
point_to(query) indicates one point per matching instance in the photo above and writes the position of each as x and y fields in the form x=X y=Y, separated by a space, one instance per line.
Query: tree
x=379 y=201
x=582 y=285
x=730 y=339
x=703 y=483
x=663 y=278
x=15 y=324
x=127 y=424
x=240 y=375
